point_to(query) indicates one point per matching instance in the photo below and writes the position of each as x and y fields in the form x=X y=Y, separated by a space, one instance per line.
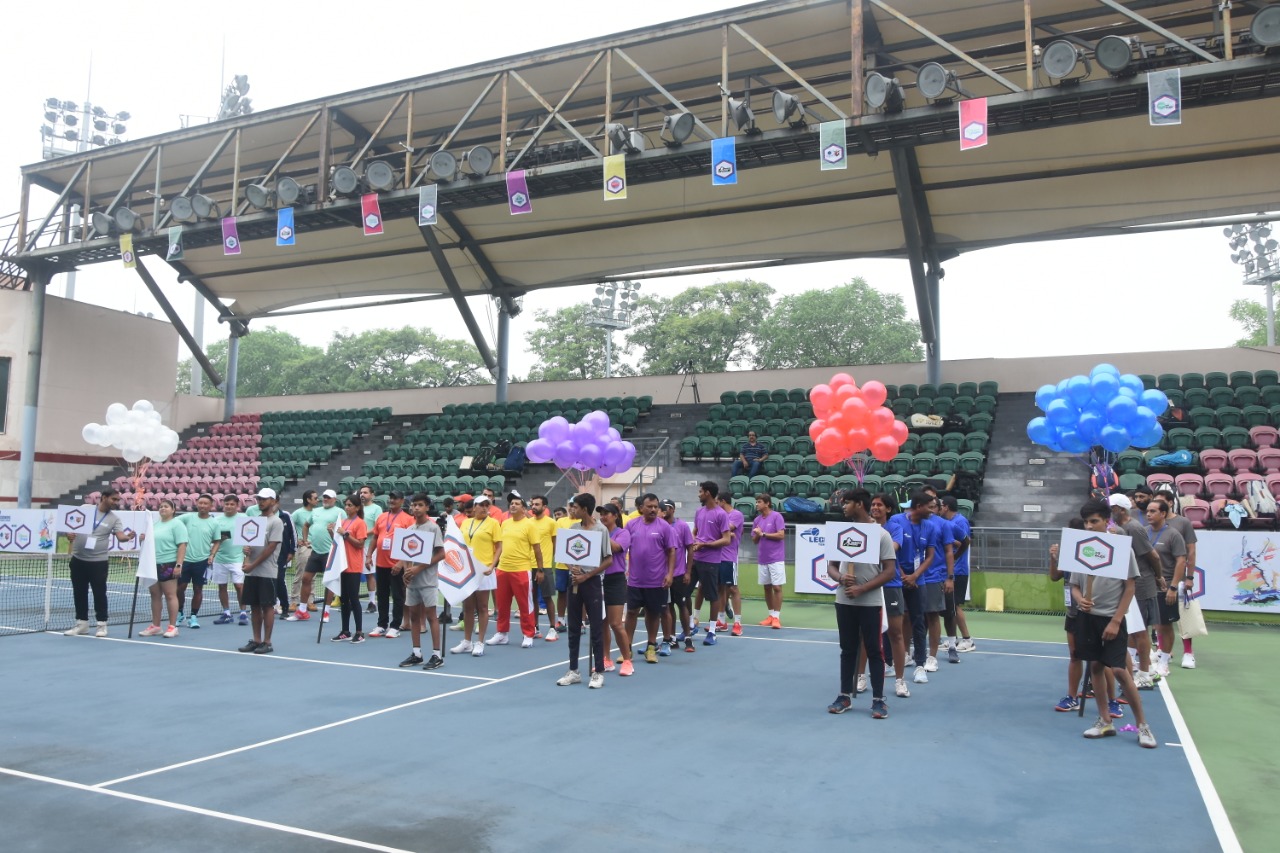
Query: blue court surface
x=150 y=744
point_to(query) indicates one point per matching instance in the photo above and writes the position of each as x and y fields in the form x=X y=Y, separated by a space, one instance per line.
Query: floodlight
x=344 y=181
x=787 y=109
x=1265 y=27
x=677 y=128
x=259 y=196
x=118 y=129
x=881 y=91
x=98 y=139
x=288 y=191
x=70 y=135
x=182 y=210
x=743 y=118
x=443 y=165
x=50 y=116
x=625 y=140
x=70 y=106
x=70 y=119
x=204 y=207
x=102 y=224
x=479 y=160
x=45 y=130
x=1114 y=54
x=1060 y=58
x=933 y=80
x=123 y=115
x=127 y=220
x=52 y=103
x=100 y=124
x=99 y=112
x=380 y=176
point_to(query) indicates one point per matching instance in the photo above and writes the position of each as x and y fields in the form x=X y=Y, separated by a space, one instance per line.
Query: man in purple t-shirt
x=680 y=587
x=711 y=533
x=730 y=595
x=651 y=556
x=769 y=532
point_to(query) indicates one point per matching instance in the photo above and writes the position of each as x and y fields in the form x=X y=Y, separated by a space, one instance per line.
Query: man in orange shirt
x=390 y=581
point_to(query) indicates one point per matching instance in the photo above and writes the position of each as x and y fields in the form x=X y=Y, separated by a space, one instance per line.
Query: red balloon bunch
x=849 y=420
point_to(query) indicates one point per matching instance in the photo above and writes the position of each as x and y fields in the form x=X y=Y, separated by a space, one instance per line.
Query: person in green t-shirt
x=203 y=534
x=169 y=536
x=370 y=512
x=228 y=563
x=318 y=534
x=301 y=518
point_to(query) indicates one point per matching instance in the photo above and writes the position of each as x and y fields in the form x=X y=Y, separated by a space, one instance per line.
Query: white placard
x=79 y=521
x=249 y=531
x=576 y=547
x=414 y=546
x=1101 y=555
x=1133 y=621
x=75 y=519
x=27 y=531
x=811 y=560
x=849 y=542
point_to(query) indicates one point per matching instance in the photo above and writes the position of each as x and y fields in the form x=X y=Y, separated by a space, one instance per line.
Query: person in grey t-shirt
x=90 y=560
x=1145 y=589
x=260 y=571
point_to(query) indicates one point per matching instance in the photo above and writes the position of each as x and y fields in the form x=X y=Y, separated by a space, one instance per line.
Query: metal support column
x=925 y=304
x=233 y=367
x=39 y=277
x=504 y=350
x=197 y=330
x=459 y=299
x=169 y=311
x=933 y=351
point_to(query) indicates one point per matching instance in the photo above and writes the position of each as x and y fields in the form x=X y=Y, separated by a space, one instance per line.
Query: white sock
x=435 y=652
x=711 y=627
x=951 y=643
x=417 y=650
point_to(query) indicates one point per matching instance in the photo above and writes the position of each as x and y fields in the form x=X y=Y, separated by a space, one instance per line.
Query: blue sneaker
x=224 y=619
x=664 y=650
x=709 y=640
x=680 y=637
x=841 y=704
x=879 y=709
x=244 y=618
x=1068 y=703
x=193 y=622
x=1114 y=707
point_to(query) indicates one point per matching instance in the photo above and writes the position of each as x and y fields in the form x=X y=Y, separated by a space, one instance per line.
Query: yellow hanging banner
x=126 y=251
x=615 y=177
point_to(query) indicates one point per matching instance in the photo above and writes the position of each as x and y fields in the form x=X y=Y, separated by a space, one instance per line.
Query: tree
x=850 y=324
x=707 y=328
x=271 y=363
x=386 y=359
x=564 y=347
x=1252 y=316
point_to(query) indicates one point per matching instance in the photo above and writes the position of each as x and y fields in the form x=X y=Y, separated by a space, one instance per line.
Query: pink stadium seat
x=1219 y=485
x=1189 y=484
x=1273 y=482
x=1157 y=480
x=93 y=497
x=1243 y=459
x=1243 y=479
x=1198 y=512
x=1269 y=458
x=1264 y=436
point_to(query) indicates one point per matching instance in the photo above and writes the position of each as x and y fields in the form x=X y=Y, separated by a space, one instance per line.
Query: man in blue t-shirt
x=954 y=614
x=750 y=456
x=936 y=582
x=915 y=556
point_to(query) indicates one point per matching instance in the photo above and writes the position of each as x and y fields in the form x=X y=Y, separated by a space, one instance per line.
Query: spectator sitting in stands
x=750 y=456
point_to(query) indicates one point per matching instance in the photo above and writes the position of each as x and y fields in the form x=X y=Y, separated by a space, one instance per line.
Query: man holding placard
x=90 y=560
x=421 y=578
x=228 y=563
x=318 y=534
x=261 y=570
x=1103 y=570
x=390 y=589
x=581 y=550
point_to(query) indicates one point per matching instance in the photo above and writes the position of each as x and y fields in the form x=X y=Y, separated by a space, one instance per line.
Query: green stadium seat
x=761 y=396
x=645 y=404
x=965 y=507
x=1202 y=416
x=1247 y=395
x=792 y=464
x=953 y=442
x=716 y=412
x=1270 y=395
x=813 y=467
x=988 y=388
x=787 y=411
x=797 y=395
x=921 y=405
x=924 y=462
x=726 y=448
x=912 y=444
x=702 y=428
x=908 y=392
x=803 y=486
x=804 y=411
x=1208 y=437
x=707 y=448
x=769 y=410
x=930 y=442
x=718 y=428
x=943 y=406
x=980 y=422
x=750 y=410
x=772 y=466
x=1128 y=462
x=962 y=404
x=1234 y=438
x=1256 y=416
x=1175 y=396
x=984 y=404
x=782 y=445
x=778 y=395
x=915 y=482
x=745 y=397
x=1242 y=379
x=947 y=463
x=803 y=446
x=747 y=506
x=780 y=485
x=758 y=484
x=1167 y=381
x=872 y=483
x=728 y=397
x=947 y=389
x=1180 y=438
x=894 y=484
x=738 y=485
x=1216 y=379
x=1131 y=481
x=824 y=485
x=902 y=463
x=967 y=389
x=1196 y=397
x=928 y=389
x=1192 y=380
x=901 y=407
x=971 y=461
x=1230 y=416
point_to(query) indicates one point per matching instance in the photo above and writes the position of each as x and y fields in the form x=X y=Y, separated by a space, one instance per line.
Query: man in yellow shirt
x=543 y=581
x=519 y=548
x=634 y=514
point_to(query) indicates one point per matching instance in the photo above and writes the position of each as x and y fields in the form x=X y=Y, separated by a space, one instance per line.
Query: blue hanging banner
x=724 y=161
x=285 y=235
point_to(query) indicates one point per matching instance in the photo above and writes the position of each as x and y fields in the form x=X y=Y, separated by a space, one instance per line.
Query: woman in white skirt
x=483 y=536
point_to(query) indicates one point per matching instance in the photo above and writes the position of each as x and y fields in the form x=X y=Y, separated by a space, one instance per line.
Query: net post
x=48 y=585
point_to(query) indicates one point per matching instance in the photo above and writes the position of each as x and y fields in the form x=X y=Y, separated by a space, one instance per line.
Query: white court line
x=168 y=804
x=835 y=643
x=163 y=645
x=1212 y=802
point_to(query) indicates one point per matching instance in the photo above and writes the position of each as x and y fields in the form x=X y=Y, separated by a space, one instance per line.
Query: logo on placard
x=519 y=199
x=75 y=520
x=372 y=221
x=231 y=242
x=285 y=232
x=1165 y=106
x=413 y=545
x=428 y=211
x=615 y=185
x=851 y=543
x=814 y=535
x=22 y=536
x=577 y=546
x=724 y=169
x=460 y=569
x=974 y=130
x=818 y=572
x=1094 y=554
x=833 y=153
x=126 y=256
x=6 y=537
x=250 y=531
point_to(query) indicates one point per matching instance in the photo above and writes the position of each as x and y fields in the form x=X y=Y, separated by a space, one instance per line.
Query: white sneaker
x=966 y=645
x=462 y=648
x=900 y=688
x=888 y=669
x=570 y=677
x=477 y=650
x=1142 y=680
x=1189 y=661
x=391 y=634
x=552 y=636
x=862 y=683
x=931 y=664
x=170 y=632
x=921 y=676
x=1162 y=668
x=526 y=643
x=377 y=632
x=102 y=630
x=497 y=640
x=1146 y=739
x=597 y=680
x=81 y=627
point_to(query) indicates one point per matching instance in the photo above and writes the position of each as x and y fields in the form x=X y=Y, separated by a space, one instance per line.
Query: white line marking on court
x=168 y=804
x=161 y=645
x=1178 y=745
x=1212 y=802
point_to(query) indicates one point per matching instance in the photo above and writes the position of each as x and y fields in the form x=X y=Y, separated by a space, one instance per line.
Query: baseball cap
x=666 y=503
x=1121 y=501
x=267 y=493
x=514 y=494
x=329 y=493
x=463 y=499
x=607 y=507
x=483 y=499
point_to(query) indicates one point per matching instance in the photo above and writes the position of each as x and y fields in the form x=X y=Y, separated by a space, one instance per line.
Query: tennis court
x=121 y=744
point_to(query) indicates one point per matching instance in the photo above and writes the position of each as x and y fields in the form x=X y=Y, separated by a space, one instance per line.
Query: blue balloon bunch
x=1105 y=408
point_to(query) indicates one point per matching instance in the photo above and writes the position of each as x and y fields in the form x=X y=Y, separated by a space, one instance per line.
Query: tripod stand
x=690 y=381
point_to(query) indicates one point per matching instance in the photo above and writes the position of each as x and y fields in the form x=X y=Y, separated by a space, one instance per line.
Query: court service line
x=151 y=644
x=234 y=818
x=1212 y=802
x=315 y=729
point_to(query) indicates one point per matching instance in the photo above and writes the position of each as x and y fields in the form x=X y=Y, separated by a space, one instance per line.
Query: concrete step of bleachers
x=1027 y=485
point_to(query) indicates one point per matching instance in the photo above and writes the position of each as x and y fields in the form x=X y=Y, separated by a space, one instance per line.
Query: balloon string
x=139 y=491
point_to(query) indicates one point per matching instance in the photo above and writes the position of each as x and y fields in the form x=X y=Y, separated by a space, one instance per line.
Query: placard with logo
x=849 y=542
x=414 y=546
x=577 y=547
x=1101 y=555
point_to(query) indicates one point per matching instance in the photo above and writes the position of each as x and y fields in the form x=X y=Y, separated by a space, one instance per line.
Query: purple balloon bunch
x=590 y=444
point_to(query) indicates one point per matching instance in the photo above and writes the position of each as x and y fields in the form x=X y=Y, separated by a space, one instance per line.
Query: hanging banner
x=370 y=214
x=126 y=251
x=518 y=193
x=811 y=560
x=1164 y=96
x=27 y=531
x=973 y=123
x=833 y=145
x=724 y=161
x=285 y=233
x=427 y=200
x=615 y=177
x=176 y=252
x=230 y=236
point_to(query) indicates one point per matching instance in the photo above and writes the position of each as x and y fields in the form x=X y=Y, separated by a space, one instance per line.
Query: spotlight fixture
x=1061 y=58
x=127 y=220
x=99 y=112
x=380 y=176
x=103 y=225
x=881 y=91
x=70 y=135
x=676 y=129
x=1114 y=54
x=182 y=210
x=344 y=181
x=123 y=115
x=52 y=103
x=70 y=120
x=625 y=141
x=204 y=207
x=479 y=160
x=289 y=192
x=1265 y=27
x=743 y=118
x=443 y=165
x=787 y=109
x=933 y=80
x=259 y=196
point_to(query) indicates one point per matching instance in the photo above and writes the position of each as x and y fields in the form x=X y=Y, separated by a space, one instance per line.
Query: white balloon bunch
x=137 y=432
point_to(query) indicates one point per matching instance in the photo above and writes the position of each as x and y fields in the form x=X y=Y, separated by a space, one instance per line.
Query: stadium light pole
x=611 y=309
x=1255 y=251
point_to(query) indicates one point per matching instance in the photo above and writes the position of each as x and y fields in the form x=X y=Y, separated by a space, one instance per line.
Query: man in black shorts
x=681 y=588
x=1100 y=633
x=712 y=533
x=651 y=559
x=260 y=576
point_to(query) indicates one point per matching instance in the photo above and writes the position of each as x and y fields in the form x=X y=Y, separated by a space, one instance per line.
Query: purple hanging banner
x=230 y=236
x=518 y=193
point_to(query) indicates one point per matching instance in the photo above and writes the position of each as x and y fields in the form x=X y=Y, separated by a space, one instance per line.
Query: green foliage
x=271 y=363
x=564 y=347
x=850 y=324
x=1252 y=317
x=708 y=327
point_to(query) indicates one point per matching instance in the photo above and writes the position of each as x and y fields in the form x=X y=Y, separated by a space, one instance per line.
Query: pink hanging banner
x=518 y=193
x=230 y=236
x=973 y=123
x=371 y=214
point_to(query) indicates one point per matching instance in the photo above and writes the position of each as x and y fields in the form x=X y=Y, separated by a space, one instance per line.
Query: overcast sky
x=163 y=60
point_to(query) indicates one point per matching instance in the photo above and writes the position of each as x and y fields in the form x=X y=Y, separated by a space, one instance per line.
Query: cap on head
x=607 y=507
x=267 y=493
x=1121 y=501
x=483 y=499
x=329 y=493
x=666 y=503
